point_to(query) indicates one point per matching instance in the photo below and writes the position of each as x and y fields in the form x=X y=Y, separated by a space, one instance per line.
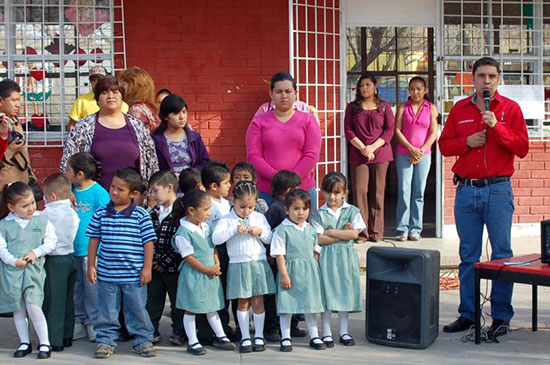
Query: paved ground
x=519 y=346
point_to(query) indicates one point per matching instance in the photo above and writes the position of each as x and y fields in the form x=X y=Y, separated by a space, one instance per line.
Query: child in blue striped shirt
x=124 y=263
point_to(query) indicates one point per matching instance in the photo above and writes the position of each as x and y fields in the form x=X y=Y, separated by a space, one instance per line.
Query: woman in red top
x=140 y=96
x=369 y=126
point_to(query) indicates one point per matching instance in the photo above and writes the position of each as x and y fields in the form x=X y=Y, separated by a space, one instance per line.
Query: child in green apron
x=338 y=224
x=294 y=245
x=249 y=277
x=25 y=238
x=199 y=284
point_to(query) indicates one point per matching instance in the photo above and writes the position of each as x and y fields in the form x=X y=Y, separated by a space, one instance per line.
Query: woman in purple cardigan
x=283 y=139
x=177 y=145
x=369 y=126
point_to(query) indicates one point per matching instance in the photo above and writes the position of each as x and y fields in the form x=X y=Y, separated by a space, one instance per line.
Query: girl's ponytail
x=192 y=199
x=10 y=194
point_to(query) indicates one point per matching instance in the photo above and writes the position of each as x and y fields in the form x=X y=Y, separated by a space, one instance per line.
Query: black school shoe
x=317 y=346
x=196 y=351
x=329 y=343
x=297 y=332
x=286 y=348
x=498 y=328
x=245 y=349
x=347 y=342
x=44 y=354
x=258 y=347
x=223 y=343
x=23 y=353
x=459 y=325
x=67 y=342
x=272 y=336
x=58 y=348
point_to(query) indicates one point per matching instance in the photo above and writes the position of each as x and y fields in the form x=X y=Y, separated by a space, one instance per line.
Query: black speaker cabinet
x=545 y=241
x=402 y=297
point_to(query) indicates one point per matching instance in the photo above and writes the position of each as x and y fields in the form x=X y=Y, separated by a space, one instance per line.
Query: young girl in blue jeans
x=199 y=284
x=83 y=170
x=25 y=238
x=338 y=224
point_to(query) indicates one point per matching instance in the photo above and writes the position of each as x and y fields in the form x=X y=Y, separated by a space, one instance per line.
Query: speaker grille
x=393 y=311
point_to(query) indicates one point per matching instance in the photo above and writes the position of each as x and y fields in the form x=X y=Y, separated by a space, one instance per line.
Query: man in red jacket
x=486 y=140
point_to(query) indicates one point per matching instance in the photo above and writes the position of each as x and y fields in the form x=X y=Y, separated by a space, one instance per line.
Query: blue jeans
x=312 y=193
x=85 y=294
x=410 y=198
x=137 y=319
x=492 y=206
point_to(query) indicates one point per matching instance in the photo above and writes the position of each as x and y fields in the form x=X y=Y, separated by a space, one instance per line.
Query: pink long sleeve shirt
x=272 y=146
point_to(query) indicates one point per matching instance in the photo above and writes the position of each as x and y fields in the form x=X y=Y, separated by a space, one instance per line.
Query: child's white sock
x=259 y=319
x=343 y=317
x=216 y=324
x=311 y=320
x=244 y=318
x=191 y=330
x=22 y=326
x=39 y=322
x=325 y=317
x=284 y=321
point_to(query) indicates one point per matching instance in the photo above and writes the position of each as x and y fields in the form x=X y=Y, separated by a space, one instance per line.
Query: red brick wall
x=531 y=184
x=217 y=54
x=45 y=161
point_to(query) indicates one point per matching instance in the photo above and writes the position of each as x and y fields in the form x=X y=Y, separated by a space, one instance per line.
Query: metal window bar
x=516 y=33
x=49 y=47
x=315 y=29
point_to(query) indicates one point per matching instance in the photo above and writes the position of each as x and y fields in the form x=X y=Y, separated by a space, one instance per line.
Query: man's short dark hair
x=485 y=61
x=8 y=86
x=132 y=177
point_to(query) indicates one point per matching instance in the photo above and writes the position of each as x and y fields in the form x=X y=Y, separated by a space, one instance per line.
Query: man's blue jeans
x=410 y=198
x=137 y=319
x=492 y=206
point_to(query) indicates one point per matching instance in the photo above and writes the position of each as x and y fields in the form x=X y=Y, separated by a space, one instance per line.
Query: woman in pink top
x=283 y=139
x=416 y=131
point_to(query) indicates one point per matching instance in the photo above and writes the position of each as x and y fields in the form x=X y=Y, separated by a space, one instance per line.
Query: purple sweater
x=272 y=146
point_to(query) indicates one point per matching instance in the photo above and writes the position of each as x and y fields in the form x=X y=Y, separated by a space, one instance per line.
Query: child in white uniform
x=249 y=275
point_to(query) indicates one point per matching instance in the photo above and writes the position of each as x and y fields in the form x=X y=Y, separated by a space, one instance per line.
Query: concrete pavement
x=521 y=346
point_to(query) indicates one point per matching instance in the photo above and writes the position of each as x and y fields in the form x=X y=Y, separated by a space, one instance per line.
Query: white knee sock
x=191 y=330
x=244 y=319
x=216 y=324
x=311 y=320
x=259 y=319
x=22 y=325
x=326 y=316
x=343 y=317
x=284 y=320
x=39 y=322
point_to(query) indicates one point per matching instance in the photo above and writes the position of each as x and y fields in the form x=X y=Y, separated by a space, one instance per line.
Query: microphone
x=487 y=98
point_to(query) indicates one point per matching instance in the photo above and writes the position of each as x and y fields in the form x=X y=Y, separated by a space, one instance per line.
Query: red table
x=536 y=273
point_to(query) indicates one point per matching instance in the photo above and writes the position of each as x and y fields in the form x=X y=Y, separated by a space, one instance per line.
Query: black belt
x=479 y=183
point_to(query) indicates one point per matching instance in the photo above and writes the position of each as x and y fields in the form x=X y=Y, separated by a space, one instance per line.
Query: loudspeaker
x=545 y=241
x=402 y=297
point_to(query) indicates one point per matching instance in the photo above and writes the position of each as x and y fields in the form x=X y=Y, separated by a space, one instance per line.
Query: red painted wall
x=217 y=54
x=531 y=184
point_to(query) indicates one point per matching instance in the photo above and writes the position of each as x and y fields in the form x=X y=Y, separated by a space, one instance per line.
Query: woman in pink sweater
x=283 y=139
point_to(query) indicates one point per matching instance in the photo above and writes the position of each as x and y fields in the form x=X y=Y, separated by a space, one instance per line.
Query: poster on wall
x=529 y=97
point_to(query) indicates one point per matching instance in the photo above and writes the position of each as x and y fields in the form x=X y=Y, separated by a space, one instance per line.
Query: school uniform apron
x=16 y=282
x=305 y=294
x=339 y=265
x=197 y=292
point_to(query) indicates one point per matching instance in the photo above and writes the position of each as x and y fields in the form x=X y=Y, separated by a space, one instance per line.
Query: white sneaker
x=91 y=332
x=79 y=331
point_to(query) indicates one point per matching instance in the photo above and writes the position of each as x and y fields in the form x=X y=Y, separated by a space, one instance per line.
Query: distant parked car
x=386 y=91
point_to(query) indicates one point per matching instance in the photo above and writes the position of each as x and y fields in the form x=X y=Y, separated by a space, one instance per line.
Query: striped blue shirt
x=122 y=237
